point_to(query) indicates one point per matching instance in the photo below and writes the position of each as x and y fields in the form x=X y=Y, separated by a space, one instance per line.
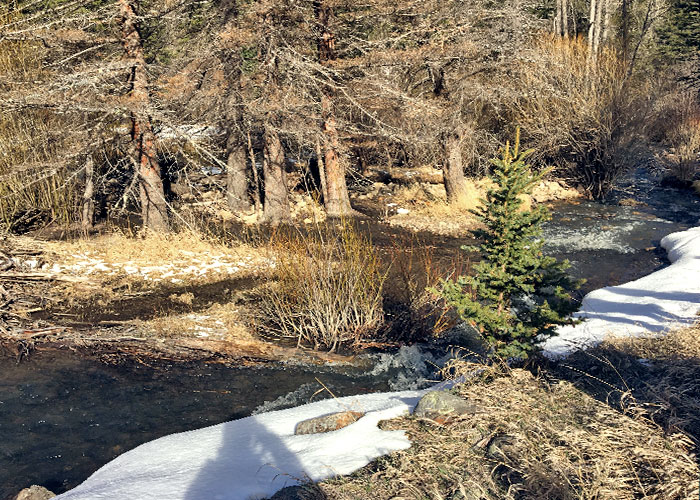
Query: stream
x=62 y=416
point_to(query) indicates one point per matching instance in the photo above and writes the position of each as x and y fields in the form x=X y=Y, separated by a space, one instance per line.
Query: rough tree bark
x=336 y=196
x=561 y=18
x=593 y=33
x=88 y=205
x=236 y=155
x=625 y=30
x=453 y=172
x=154 y=209
x=254 y=169
x=276 y=205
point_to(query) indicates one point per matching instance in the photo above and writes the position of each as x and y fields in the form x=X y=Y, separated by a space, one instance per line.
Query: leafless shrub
x=681 y=132
x=582 y=114
x=328 y=289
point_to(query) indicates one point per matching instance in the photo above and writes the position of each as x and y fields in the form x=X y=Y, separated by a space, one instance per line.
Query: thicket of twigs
x=404 y=85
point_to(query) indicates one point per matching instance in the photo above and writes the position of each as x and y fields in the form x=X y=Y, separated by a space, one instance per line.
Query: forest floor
x=179 y=297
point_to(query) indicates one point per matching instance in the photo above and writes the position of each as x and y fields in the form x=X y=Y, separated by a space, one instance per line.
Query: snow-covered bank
x=664 y=299
x=252 y=457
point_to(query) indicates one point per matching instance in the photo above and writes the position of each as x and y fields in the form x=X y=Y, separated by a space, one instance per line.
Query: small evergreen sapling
x=518 y=296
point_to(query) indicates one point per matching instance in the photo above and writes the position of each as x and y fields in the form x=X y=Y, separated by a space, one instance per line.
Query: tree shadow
x=287 y=459
x=647 y=315
x=235 y=471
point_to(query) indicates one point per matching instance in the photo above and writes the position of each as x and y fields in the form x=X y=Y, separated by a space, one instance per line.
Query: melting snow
x=664 y=299
x=252 y=457
x=175 y=271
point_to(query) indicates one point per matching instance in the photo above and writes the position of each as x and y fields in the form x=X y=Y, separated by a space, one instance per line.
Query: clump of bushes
x=682 y=135
x=583 y=114
x=328 y=289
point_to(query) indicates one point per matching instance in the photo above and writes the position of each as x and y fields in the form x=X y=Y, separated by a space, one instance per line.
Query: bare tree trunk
x=236 y=169
x=625 y=31
x=321 y=170
x=606 y=21
x=88 y=207
x=592 y=26
x=337 y=200
x=276 y=208
x=153 y=205
x=256 y=180
x=561 y=18
x=453 y=173
x=236 y=175
x=599 y=26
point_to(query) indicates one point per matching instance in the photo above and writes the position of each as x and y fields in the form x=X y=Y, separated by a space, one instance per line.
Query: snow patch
x=655 y=303
x=252 y=457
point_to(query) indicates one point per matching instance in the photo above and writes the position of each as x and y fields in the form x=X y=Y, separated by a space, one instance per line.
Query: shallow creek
x=63 y=416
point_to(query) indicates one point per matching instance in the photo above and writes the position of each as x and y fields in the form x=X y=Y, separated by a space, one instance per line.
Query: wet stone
x=328 y=423
x=441 y=406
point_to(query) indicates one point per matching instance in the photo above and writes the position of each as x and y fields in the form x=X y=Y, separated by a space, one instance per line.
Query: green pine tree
x=679 y=34
x=517 y=296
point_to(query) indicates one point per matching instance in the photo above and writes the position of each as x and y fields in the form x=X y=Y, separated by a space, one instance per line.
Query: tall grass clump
x=682 y=136
x=35 y=184
x=582 y=114
x=531 y=438
x=328 y=289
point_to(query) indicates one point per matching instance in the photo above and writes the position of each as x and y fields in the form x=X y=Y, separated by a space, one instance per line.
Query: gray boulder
x=328 y=423
x=442 y=406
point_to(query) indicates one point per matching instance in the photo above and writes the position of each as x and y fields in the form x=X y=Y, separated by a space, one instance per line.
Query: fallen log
x=36 y=276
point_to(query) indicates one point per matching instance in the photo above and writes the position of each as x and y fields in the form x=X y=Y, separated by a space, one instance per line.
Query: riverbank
x=613 y=443
x=620 y=422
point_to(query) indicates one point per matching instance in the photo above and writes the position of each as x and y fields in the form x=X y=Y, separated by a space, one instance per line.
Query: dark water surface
x=63 y=416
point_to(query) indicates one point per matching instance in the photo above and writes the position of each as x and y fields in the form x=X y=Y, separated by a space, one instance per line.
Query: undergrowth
x=328 y=289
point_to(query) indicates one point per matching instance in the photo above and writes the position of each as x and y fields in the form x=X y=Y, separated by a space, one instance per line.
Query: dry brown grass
x=119 y=277
x=532 y=440
x=226 y=321
x=431 y=201
x=665 y=386
x=118 y=255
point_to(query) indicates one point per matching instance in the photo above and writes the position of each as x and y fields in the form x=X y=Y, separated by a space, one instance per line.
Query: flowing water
x=62 y=416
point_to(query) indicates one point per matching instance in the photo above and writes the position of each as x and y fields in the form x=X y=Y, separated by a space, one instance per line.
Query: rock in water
x=328 y=423
x=442 y=405
x=34 y=492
